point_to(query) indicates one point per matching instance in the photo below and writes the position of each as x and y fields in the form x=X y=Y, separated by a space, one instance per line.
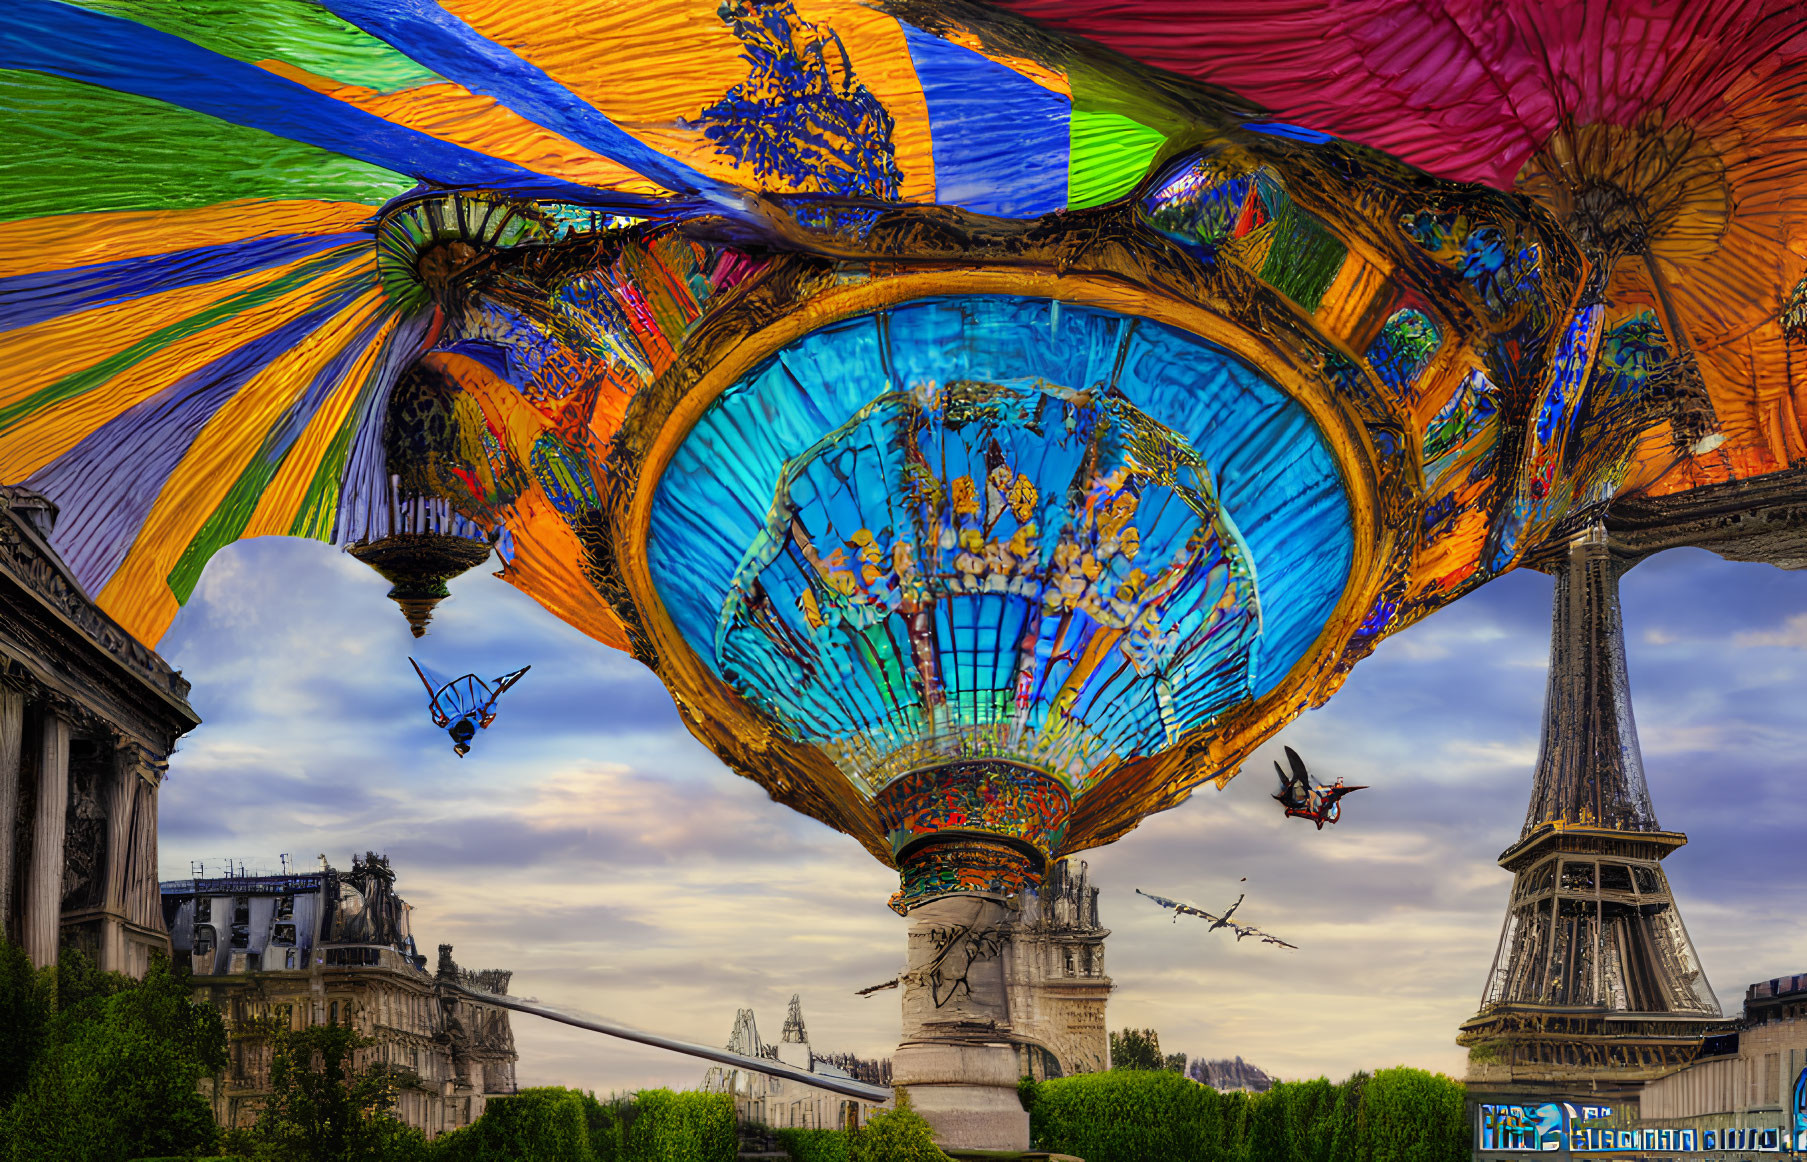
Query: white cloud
x=1792 y=634
x=592 y=846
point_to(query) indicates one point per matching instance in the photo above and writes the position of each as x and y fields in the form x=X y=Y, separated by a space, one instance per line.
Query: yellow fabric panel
x=455 y=114
x=43 y=437
x=510 y=416
x=547 y=552
x=85 y=239
x=545 y=569
x=283 y=496
x=648 y=67
x=219 y=454
x=881 y=60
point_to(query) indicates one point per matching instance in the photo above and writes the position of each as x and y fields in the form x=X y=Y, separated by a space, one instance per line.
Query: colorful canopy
x=985 y=436
x=1671 y=137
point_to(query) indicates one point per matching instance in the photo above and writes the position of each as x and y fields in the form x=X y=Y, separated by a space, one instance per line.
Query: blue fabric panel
x=104 y=507
x=1000 y=140
x=32 y=298
x=429 y=34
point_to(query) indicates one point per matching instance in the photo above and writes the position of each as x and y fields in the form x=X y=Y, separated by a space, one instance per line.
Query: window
x=1577 y=877
x=1069 y=958
x=203 y=909
x=1405 y=345
x=332 y=1011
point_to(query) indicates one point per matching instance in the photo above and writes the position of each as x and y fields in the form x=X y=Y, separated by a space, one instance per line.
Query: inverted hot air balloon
x=987 y=438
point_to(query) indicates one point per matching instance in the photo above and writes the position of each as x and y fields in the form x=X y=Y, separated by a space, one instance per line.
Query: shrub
x=545 y=1124
x=815 y=1145
x=114 y=1074
x=681 y=1127
x=1414 y=1116
x=896 y=1135
x=1130 y=1116
x=1397 y=1115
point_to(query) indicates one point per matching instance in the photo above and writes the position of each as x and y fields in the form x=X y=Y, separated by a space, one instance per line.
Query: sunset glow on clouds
x=592 y=846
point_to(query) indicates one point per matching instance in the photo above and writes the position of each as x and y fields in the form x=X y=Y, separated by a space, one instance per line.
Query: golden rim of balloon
x=698 y=687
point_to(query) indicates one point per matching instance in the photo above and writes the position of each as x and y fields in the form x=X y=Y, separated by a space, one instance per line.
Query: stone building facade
x=1744 y=1079
x=764 y=1100
x=88 y=718
x=1054 y=978
x=333 y=947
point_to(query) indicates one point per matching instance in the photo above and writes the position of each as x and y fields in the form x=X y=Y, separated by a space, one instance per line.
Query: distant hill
x=1230 y=1074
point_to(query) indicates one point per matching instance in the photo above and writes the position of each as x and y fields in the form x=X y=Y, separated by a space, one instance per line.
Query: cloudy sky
x=590 y=845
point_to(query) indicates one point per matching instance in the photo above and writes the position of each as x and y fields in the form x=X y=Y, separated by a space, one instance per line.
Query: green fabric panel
x=1108 y=154
x=73 y=148
x=301 y=34
x=1304 y=258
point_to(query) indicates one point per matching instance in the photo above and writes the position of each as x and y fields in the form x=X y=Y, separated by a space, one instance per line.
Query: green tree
x=681 y=1127
x=322 y=1108
x=115 y=1073
x=896 y=1135
x=25 y=1008
x=1141 y=1049
x=1414 y=1116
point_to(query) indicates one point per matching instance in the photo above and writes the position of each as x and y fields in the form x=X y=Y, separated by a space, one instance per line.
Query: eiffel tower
x=1595 y=988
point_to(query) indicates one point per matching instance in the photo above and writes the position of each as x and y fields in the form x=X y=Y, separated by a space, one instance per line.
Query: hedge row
x=895 y=1135
x=1395 y=1115
x=815 y=1145
x=566 y=1125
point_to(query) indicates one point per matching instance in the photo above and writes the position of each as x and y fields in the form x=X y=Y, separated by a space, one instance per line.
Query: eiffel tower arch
x=1595 y=988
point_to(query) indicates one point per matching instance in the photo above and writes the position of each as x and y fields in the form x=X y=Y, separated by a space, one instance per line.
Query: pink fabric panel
x=1467 y=89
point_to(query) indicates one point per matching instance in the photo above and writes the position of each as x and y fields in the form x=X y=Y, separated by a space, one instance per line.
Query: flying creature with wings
x=463 y=706
x=1302 y=797
x=1224 y=921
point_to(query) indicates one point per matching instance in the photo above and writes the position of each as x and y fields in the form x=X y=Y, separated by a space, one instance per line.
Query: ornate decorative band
x=993 y=796
x=965 y=864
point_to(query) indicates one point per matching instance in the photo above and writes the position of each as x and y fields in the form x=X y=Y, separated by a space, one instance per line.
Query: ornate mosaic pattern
x=960 y=865
x=1016 y=803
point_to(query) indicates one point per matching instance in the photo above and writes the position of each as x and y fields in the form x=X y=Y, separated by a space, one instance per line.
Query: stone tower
x=1595 y=987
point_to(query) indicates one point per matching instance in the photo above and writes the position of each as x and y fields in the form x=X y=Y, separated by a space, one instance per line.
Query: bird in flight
x=1223 y=921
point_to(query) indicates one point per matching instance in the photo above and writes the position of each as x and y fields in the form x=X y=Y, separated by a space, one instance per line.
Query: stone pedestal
x=960 y=1070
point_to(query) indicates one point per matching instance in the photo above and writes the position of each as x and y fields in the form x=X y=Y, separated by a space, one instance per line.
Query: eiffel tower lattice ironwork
x=1596 y=986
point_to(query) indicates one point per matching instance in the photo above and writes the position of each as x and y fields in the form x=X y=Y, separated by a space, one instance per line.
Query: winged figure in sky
x=465 y=705
x=1301 y=797
x=1223 y=921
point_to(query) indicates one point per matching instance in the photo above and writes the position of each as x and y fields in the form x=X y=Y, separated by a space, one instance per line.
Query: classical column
x=122 y=794
x=44 y=884
x=960 y=1069
x=12 y=734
